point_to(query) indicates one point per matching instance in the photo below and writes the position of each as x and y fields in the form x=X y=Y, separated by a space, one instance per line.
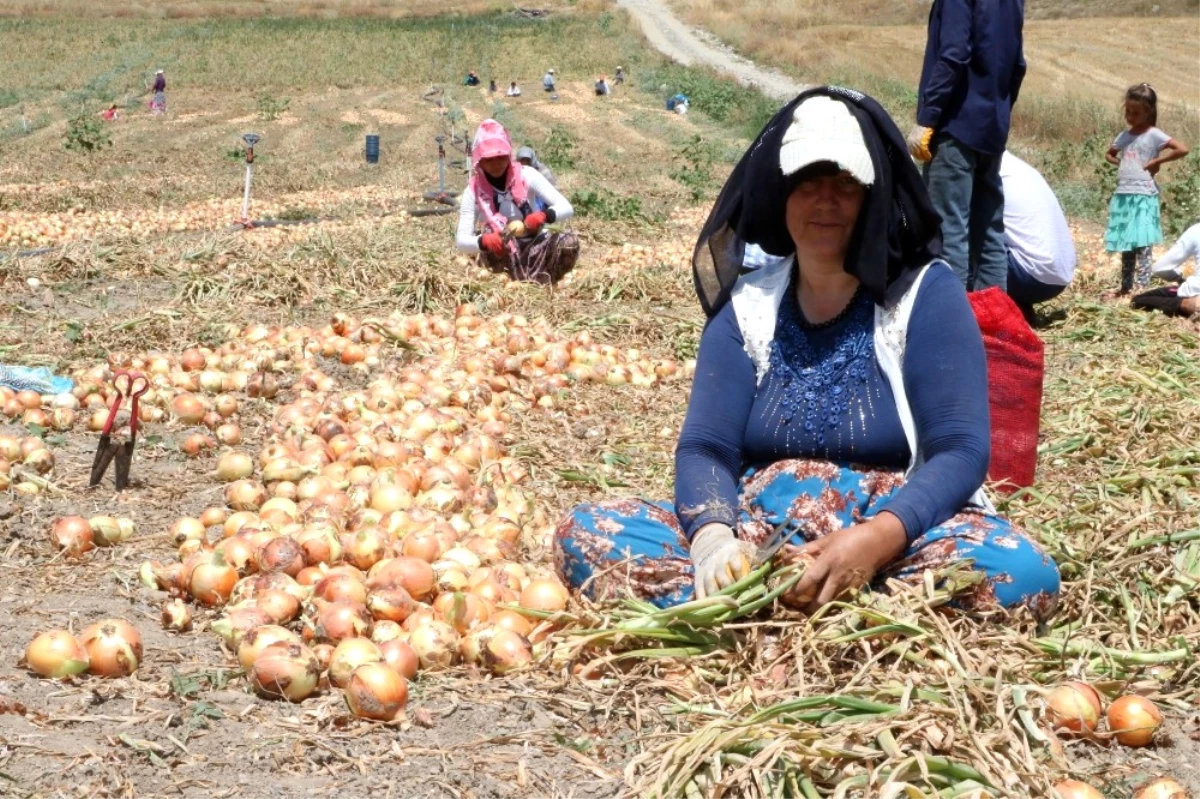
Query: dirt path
x=689 y=46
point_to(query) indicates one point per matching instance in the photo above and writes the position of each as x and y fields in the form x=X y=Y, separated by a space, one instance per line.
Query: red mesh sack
x=1015 y=367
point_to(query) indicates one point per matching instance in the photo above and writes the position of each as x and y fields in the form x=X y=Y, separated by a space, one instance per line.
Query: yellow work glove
x=918 y=143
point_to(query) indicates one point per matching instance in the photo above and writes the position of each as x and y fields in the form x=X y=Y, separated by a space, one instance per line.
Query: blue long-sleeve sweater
x=974 y=66
x=825 y=397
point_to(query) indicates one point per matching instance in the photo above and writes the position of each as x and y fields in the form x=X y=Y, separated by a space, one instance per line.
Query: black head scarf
x=897 y=230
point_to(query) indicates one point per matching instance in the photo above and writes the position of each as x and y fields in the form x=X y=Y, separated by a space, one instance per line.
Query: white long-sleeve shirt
x=1035 y=227
x=536 y=186
x=1171 y=265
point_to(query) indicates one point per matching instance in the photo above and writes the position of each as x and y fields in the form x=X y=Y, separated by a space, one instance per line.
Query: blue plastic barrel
x=373 y=149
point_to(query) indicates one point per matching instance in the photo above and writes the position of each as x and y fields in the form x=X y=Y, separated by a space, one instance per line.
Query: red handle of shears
x=136 y=384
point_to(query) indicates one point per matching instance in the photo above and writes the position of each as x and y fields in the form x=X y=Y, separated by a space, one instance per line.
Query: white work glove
x=918 y=143
x=719 y=558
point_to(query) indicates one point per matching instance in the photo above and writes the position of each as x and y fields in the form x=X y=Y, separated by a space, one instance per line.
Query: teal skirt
x=1132 y=222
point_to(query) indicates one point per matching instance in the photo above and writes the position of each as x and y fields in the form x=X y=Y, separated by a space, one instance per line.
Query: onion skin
x=377 y=692
x=391 y=604
x=1074 y=707
x=285 y=671
x=545 y=595
x=338 y=621
x=72 y=534
x=258 y=639
x=348 y=656
x=236 y=622
x=114 y=648
x=1161 y=788
x=1074 y=789
x=176 y=616
x=1133 y=720
x=57 y=655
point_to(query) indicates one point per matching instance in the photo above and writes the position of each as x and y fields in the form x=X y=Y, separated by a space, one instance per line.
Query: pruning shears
x=772 y=543
x=125 y=384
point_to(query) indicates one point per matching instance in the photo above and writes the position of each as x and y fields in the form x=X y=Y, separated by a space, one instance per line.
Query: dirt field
x=149 y=262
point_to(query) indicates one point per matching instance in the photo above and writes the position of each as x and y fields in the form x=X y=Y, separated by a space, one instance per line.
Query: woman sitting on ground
x=840 y=393
x=505 y=195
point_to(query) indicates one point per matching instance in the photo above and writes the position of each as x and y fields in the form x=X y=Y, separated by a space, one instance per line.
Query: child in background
x=1133 y=213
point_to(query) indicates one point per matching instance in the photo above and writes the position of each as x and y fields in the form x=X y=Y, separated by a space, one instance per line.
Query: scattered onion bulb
x=376 y=691
x=1133 y=720
x=258 y=639
x=435 y=644
x=72 y=534
x=285 y=671
x=400 y=657
x=546 y=595
x=114 y=648
x=1075 y=707
x=176 y=616
x=56 y=654
x=1074 y=789
x=1161 y=788
x=234 y=465
x=348 y=656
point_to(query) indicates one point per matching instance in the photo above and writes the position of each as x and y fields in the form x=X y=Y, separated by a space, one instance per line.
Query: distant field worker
x=974 y=66
x=619 y=77
x=514 y=90
x=602 y=87
x=548 y=81
x=1133 y=214
x=527 y=157
x=1041 y=253
x=111 y=114
x=158 y=103
x=503 y=195
x=471 y=80
x=1182 y=300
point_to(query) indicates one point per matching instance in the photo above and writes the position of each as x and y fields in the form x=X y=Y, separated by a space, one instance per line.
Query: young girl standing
x=1138 y=152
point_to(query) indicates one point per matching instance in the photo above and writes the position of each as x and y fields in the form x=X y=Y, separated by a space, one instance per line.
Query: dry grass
x=243 y=9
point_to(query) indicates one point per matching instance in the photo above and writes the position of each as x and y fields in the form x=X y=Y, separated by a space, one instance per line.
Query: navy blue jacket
x=973 y=70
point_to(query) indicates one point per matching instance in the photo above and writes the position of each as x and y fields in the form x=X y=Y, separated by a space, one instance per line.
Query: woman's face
x=496 y=166
x=821 y=213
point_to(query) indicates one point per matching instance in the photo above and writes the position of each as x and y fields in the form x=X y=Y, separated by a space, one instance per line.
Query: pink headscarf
x=491 y=139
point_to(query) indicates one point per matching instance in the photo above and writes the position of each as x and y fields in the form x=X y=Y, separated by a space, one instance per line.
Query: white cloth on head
x=538 y=188
x=1171 y=266
x=1035 y=227
x=823 y=129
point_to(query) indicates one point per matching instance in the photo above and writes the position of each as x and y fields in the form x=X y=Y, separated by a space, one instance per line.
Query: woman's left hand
x=534 y=222
x=846 y=560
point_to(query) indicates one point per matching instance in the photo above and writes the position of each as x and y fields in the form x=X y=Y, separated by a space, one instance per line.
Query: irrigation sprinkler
x=440 y=194
x=250 y=139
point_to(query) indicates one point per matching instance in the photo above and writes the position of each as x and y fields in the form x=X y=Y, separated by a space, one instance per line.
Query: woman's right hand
x=720 y=558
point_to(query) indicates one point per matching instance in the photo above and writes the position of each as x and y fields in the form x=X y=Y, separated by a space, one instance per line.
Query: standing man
x=1041 y=253
x=158 y=103
x=969 y=82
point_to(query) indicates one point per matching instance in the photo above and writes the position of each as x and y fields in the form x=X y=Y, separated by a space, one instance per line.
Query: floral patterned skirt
x=541 y=259
x=637 y=547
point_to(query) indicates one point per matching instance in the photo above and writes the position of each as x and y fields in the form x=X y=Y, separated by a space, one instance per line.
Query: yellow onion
x=435 y=644
x=506 y=651
x=1133 y=720
x=391 y=604
x=1074 y=789
x=247 y=495
x=366 y=548
x=338 y=621
x=281 y=606
x=413 y=575
x=114 y=648
x=375 y=691
x=234 y=465
x=176 y=616
x=348 y=656
x=258 y=639
x=383 y=631
x=1161 y=788
x=187 y=408
x=1074 y=707
x=238 y=621
x=72 y=534
x=281 y=554
x=56 y=654
x=400 y=657
x=546 y=595
x=212 y=580
x=285 y=671
x=511 y=620
x=462 y=611
x=341 y=587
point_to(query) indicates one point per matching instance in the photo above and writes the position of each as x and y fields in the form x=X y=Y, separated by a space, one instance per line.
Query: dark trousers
x=1026 y=291
x=967 y=193
x=1163 y=299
